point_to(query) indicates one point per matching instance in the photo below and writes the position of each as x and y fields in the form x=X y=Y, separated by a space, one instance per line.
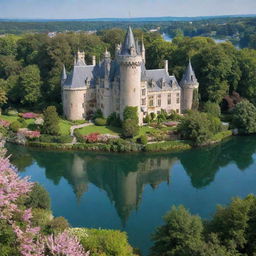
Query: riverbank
x=123 y=146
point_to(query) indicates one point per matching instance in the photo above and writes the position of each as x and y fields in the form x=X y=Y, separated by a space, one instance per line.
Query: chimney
x=166 y=65
x=93 y=60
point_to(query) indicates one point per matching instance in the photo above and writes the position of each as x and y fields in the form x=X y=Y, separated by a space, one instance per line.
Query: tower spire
x=189 y=77
x=129 y=45
x=64 y=73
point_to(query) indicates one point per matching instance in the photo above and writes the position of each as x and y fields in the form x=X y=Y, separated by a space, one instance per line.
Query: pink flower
x=4 y=123
x=29 y=115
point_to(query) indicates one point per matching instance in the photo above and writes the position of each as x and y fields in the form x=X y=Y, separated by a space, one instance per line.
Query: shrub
x=114 y=120
x=147 y=119
x=12 y=112
x=29 y=115
x=51 y=121
x=244 y=117
x=103 y=242
x=152 y=115
x=212 y=108
x=100 y=121
x=174 y=116
x=30 y=134
x=15 y=126
x=130 y=128
x=46 y=138
x=131 y=113
x=41 y=217
x=22 y=122
x=4 y=123
x=98 y=114
x=57 y=225
x=92 y=137
x=62 y=139
x=167 y=146
x=38 y=198
x=143 y=139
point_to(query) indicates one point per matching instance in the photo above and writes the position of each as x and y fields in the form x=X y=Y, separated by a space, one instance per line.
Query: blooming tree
x=29 y=239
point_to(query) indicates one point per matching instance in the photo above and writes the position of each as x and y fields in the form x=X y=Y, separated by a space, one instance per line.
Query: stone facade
x=112 y=85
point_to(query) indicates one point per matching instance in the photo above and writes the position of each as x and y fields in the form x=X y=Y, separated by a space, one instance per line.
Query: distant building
x=112 y=85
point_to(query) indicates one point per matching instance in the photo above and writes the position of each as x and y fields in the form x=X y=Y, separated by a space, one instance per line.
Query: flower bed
x=4 y=123
x=29 y=115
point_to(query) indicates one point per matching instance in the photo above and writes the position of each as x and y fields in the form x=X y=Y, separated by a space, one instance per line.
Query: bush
x=131 y=113
x=22 y=122
x=146 y=119
x=244 y=117
x=12 y=112
x=57 y=225
x=15 y=126
x=114 y=120
x=167 y=146
x=41 y=217
x=62 y=139
x=97 y=114
x=143 y=139
x=100 y=121
x=46 y=138
x=103 y=242
x=38 y=198
x=51 y=121
x=153 y=116
x=212 y=108
x=130 y=128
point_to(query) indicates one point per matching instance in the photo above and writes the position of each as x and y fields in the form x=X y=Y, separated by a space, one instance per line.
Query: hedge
x=221 y=136
x=167 y=146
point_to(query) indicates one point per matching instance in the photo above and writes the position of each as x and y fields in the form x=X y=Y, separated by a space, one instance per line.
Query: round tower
x=189 y=85
x=130 y=62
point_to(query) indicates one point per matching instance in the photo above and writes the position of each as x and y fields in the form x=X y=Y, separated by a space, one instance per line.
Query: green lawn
x=65 y=127
x=100 y=129
x=9 y=118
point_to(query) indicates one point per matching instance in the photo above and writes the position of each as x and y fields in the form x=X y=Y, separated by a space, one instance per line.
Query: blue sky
x=78 y=9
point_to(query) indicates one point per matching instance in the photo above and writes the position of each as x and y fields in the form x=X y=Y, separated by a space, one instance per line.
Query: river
x=132 y=192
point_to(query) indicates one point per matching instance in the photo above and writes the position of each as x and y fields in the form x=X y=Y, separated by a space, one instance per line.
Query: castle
x=112 y=85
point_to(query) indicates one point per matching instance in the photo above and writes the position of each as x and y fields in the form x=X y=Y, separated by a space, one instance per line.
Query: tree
x=131 y=122
x=181 y=234
x=212 y=108
x=3 y=98
x=244 y=117
x=196 y=127
x=51 y=121
x=30 y=83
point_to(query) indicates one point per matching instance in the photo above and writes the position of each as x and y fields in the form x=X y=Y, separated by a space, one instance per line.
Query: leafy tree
x=9 y=66
x=244 y=117
x=30 y=85
x=195 y=126
x=51 y=121
x=131 y=122
x=181 y=234
x=8 y=45
x=212 y=108
x=3 y=98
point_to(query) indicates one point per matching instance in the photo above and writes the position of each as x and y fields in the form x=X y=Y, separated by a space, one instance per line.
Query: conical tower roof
x=189 y=77
x=129 y=42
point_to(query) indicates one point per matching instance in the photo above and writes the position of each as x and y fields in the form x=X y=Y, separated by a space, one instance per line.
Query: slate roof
x=129 y=42
x=189 y=76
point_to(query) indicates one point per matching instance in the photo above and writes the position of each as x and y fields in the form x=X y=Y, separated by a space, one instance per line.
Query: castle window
x=151 y=101
x=159 y=101
x=177 y=98
x=143 y=101
x=169 y=99
x=143 y=92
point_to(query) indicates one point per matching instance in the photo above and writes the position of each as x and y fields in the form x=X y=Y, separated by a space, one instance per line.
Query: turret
x=130 y=61
x=188 y=85
x=80 y=58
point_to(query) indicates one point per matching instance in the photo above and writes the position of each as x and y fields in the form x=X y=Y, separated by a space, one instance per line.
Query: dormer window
x=192 y=78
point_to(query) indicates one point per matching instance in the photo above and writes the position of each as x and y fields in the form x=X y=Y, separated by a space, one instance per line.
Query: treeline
x=240 y=30
x=31 y=64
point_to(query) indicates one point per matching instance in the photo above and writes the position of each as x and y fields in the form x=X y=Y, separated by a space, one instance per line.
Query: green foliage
x=15 y=126
x=12 y=112
x=98 y=114
x=143 y=139
x=100 y=121
x=130 y=124
x=169 y=146
x=244 y=117
x=212 y=108
x=3 y=98
x=7 y=240
x=30 y=84
x=38 y=198
x=114 y=120
x=51 y=121
x=103 y=242
x=56 y=225
x=196 y=127
x=22 y=121
x=41 y=217
x=130 y=128
x=181 y=234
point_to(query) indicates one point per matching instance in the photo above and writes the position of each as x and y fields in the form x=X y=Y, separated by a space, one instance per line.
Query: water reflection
x=124 y=176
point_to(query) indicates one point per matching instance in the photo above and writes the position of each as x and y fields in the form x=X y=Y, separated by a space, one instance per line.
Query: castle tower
x=188 y=85
x=80 y=58
x=130 y=74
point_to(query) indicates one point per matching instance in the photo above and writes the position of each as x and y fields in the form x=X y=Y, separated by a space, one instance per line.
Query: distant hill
x=138 y=19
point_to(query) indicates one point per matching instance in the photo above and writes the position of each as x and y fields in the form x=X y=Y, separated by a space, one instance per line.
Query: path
x=72 y=129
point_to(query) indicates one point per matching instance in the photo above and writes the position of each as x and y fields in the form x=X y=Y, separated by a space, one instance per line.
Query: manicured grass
x=9 y=118
x=144 y=130
x=65 y=127
x=100 y=129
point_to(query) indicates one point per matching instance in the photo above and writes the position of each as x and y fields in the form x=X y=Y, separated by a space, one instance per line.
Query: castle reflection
x=124 y=176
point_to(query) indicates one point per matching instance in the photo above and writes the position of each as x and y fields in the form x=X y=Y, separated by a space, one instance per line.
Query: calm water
x=133 y=191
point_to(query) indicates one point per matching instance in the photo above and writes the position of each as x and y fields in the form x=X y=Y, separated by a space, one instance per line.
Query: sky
x=84 y=9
